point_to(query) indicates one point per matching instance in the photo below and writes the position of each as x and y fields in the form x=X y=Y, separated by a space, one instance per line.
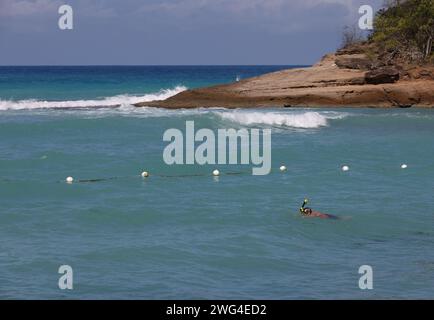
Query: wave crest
x=120 y=100
x=305 y=120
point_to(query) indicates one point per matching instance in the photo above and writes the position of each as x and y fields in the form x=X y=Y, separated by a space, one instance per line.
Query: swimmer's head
x=306 y=211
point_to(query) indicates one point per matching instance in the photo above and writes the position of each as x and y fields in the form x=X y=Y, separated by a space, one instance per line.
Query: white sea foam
x=305 y=120
x=120 y=100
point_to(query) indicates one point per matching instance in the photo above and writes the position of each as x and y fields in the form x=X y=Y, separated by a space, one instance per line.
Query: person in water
x=308 y=212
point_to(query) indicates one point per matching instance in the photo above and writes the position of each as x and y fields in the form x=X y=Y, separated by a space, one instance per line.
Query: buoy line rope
x=154 y=175
x=92 y=180
x=145 y=175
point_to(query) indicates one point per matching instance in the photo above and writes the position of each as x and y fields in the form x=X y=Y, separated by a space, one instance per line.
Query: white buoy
x=282 y=168
x=145 y=174
x=216 y=173
x=404 y=166
x=345 y=168
x=70 y=180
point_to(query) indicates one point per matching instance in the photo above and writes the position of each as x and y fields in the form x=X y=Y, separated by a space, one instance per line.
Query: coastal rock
x=382 y=75
x=356 y=48
x=323 y=85
x=426 y=74
x=420 y=72
x=355 y=61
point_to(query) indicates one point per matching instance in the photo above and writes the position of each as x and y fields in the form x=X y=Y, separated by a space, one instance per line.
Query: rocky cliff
x=348 y=78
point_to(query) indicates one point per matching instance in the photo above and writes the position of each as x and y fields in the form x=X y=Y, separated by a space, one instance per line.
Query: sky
x=175 y=32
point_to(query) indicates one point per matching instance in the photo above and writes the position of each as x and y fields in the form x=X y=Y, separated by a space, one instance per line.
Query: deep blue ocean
x=182 y=233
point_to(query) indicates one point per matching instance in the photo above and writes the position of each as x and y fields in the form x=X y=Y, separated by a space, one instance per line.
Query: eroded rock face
x=353 y=61
x=382 y=75
x=419 y=72
x=426 y=74
x=352 y=49
x=354 y=83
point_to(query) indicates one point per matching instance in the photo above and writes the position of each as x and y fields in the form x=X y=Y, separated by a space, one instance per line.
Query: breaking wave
x=120 y=100
x=305 y=120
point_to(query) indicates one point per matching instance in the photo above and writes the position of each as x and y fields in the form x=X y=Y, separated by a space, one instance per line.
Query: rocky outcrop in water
x=345 y=79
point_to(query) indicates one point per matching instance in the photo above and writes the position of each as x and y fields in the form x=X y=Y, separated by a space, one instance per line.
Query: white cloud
x=13 y=8
x=240 y=6
x=273 y=10
x=280 y=16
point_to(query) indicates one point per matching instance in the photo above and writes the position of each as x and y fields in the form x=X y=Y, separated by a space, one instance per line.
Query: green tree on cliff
x=406 y=25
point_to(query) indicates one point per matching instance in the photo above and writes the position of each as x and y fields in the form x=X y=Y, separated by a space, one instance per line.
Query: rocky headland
x=393 y=68
x=343 y=79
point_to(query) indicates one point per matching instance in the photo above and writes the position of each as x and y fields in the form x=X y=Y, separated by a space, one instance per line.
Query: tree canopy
x=406 y=26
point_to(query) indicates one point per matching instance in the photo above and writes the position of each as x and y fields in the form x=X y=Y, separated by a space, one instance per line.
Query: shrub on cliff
x=406 y=28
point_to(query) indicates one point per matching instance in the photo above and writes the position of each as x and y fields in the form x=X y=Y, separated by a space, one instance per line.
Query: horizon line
x=154 y=65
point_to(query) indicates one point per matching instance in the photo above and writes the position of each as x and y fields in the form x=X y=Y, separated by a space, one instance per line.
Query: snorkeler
x=308 y=212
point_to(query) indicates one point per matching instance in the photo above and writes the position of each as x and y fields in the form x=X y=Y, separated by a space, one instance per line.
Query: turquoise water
x=183 y=234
